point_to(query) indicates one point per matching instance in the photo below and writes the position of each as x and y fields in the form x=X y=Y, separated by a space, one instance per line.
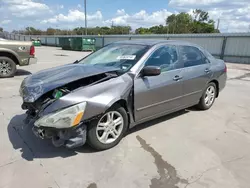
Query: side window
x=165 y=57
x=209 y=56
x=191 y=56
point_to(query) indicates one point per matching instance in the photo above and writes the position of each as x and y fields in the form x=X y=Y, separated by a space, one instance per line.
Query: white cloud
x=183 y=3
x=234 y=14
x=61 y=6
x=4 y=22
x=74 y=16
x=120 y=12
x=25 y=8
x=79 y=6
x=139 y=19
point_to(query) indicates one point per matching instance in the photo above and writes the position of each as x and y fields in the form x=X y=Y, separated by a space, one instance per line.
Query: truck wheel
x=107 y=131
x=7 y=67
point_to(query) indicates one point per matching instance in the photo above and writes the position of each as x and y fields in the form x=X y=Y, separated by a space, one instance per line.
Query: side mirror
x=151 y=71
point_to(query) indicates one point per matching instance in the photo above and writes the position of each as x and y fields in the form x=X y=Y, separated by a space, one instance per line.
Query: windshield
x=121 y=56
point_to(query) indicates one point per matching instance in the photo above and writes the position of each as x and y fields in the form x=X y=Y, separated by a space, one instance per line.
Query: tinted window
x=191 y=56
x=165 y=57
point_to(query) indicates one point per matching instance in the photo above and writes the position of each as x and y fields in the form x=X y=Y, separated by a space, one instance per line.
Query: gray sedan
x=98 y=98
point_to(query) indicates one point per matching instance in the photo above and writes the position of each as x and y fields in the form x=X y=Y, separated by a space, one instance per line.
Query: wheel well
x=10 y=55
x=217 y=87
x=123 y=103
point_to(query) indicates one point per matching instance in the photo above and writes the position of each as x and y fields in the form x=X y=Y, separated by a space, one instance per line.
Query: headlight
x=66 y=118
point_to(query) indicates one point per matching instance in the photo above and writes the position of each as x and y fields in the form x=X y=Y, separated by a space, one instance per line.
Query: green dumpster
x=88 y=44
x=65 y=43
x=36 y=42
x=83 y=44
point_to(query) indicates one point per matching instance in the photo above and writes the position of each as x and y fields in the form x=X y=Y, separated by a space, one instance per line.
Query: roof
x=152 y=42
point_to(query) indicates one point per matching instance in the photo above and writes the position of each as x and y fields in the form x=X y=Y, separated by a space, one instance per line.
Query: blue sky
x=18 y=14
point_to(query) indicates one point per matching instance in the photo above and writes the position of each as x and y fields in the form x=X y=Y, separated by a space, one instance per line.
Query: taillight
x=32 y=50
x=225 y=69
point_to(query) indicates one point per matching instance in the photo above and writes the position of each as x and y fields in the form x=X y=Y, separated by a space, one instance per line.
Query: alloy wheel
x=110 y=127
x=210 y=95
x=5 y=67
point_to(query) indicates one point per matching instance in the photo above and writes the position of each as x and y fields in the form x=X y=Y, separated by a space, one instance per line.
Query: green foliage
x=179 y=23
x=185 y=23
x=201 y=27
x=142 y=31
x=115 y=30
x=200 y=15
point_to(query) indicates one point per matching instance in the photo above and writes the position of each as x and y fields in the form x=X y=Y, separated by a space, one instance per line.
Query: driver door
x=159 y=95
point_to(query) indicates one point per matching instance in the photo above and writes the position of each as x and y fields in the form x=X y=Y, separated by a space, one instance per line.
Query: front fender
x=99 y=97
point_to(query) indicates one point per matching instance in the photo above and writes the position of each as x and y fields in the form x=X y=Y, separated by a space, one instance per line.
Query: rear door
x=155 y=95
x=196 y=73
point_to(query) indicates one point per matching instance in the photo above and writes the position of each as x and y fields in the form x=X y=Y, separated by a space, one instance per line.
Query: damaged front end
x=63 y=127
x=42 y=91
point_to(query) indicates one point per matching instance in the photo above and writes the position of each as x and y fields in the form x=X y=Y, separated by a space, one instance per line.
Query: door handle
x=207 y=70
x=177 y=78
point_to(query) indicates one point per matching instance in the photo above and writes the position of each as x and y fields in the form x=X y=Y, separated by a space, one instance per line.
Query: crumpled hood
x=37 y=84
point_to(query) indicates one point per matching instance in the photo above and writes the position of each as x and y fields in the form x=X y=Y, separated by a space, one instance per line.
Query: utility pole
x=218 y=24
x=85 y=11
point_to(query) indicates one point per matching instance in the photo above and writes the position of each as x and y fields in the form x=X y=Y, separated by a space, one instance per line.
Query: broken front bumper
x=70 y=138
x=71 y=135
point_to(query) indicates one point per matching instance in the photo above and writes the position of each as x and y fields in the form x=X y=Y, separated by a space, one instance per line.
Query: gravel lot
x=189 y=148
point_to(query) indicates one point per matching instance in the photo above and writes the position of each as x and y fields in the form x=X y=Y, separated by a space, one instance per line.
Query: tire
x=94 y=136
x=7 y=67
x=207 y=104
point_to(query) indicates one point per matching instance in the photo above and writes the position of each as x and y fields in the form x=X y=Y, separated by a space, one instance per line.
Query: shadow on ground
x=156 y=121
x=21 y=72
x=22 y=137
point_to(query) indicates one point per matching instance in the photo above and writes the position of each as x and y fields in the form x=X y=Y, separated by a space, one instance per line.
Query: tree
x=158 y=29
x=179 y=23
x=202 y=23
x=142 y=31
x=1 y=29
x=184 y=23
x=50 y=31
x=200 y=15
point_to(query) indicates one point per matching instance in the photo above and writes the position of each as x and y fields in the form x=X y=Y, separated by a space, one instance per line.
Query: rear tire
x=113 y=130
x=208 y=97
x=7 y=67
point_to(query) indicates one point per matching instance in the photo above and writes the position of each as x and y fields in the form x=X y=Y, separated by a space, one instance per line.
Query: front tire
x=208 y=97
x=7 y=67
x=107 y=131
